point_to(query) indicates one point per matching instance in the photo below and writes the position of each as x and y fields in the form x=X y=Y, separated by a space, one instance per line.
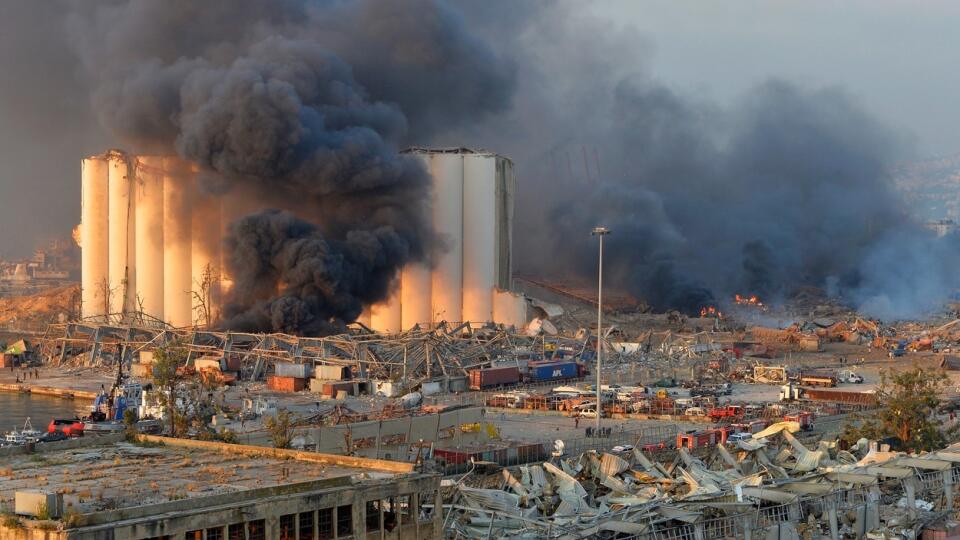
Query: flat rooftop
x=120 y=475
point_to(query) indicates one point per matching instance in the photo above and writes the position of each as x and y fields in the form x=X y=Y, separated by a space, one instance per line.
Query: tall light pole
x=601 y=232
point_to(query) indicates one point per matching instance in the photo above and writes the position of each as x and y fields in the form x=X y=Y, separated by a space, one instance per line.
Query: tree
x=280 y=428
x=908 y=403
x=203 y=295
x=167 y=359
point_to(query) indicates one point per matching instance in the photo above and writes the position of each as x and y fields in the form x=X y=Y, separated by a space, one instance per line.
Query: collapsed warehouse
x=771 y=486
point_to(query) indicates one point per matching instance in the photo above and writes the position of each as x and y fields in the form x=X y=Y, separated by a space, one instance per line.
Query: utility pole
x=601 y=232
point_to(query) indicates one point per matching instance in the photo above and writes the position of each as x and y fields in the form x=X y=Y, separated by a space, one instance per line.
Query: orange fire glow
x=751 y=300
x=710 y=311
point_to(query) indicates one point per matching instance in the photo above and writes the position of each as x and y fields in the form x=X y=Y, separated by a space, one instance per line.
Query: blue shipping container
x=556 y=370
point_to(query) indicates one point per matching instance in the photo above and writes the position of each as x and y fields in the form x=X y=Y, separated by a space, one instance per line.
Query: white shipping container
x=300 y=371
x=330 y=373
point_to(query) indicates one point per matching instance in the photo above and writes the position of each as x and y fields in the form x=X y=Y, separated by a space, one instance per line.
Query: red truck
x=755 y=426
x=730 y=412
x=706 y=437
x=804 y=418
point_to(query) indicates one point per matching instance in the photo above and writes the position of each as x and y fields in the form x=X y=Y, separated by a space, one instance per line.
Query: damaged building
x=770 y=486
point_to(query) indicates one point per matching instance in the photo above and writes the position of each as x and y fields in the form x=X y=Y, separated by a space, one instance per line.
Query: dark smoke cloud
x=302 y=281
x=786 y=187
x=304 y=105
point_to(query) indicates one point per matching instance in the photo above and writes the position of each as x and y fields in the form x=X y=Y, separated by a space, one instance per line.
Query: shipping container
x=300 y=371
x=840 y=396
x=457 y=384
x=491 y=377
x=333 y=388
x=286 y=384
x=233 y=363
x=207 y=363
x=553 y=371
x=332 y=373
x=8 y=361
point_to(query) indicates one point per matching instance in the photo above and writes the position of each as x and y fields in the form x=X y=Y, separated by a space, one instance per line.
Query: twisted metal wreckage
x=412 y=356
x=771 y=486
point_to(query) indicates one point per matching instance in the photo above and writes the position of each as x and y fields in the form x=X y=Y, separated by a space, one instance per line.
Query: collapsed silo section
x=447 y=276
x=364 y=317
x=416 y=284
x=149 y=243
x=386 y=316
x=122 y=237
x=415 y=295
x=509 y=308
x=177 y=221
x=479 y=236
x=506 y=192
x=94 y=237
x=206 y=239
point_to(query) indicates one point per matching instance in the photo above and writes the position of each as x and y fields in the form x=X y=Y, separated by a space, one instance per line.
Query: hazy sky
x=898 y=57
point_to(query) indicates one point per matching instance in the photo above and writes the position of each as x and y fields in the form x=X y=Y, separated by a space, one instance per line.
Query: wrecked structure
x=176 y=488
x=770 y=484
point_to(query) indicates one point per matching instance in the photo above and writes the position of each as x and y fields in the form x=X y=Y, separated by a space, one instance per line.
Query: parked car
x=622 y=448
x=695 y=411
x=737 y=437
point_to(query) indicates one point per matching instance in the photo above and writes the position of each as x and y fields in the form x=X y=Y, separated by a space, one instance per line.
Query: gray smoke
x=304 y=105
x=784 y=188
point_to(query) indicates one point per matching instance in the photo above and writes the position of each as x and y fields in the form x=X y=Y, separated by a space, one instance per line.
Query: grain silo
x=387 y=316
x=148 y=201
x=470 y=279
x=479 y=236
x=94 y=236
x=205 y=257
x=446 y=295
x=177 y=222
x=122 y=236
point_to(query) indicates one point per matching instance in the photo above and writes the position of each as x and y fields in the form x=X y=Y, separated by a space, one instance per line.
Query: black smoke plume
x=301 y=281
x=302 y=106
x=788 y=186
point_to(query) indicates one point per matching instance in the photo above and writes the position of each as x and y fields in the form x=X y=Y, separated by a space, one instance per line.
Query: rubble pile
x=770 y=484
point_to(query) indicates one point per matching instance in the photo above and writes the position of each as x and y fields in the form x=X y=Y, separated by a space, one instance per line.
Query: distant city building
x=942 y=227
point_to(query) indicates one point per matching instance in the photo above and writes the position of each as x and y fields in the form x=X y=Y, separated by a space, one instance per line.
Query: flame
x=751 y=300
x=710 y=311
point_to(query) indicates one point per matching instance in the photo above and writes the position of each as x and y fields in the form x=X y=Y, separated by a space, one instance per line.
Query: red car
x=70 y=428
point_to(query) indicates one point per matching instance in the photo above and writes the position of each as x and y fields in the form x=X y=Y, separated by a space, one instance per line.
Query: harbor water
x=15 y=407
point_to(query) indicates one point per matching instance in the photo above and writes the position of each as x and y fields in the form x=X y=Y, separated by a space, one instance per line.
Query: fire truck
x=730 y=412
x=701 y=438
x=804 y=418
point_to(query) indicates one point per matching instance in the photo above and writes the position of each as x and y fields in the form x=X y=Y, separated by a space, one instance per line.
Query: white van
x=695 y=411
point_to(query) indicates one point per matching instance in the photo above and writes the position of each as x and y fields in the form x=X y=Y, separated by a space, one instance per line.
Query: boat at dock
x=24 y=436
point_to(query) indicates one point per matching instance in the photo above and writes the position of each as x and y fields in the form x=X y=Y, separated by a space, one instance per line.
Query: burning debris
x=751 y=301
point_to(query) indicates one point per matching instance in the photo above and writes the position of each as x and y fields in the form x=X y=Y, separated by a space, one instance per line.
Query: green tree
x=167 y=359
x=130 y=424
x=280 y=428
x=908 y=402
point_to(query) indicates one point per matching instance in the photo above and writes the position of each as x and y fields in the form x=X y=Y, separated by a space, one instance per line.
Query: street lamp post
x=601 y=232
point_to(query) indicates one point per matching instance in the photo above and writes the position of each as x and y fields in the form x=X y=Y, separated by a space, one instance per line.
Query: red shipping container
x=233 y=363
x=7 y=361
x=485 y=378
x=331 y=388
x=286 y=384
